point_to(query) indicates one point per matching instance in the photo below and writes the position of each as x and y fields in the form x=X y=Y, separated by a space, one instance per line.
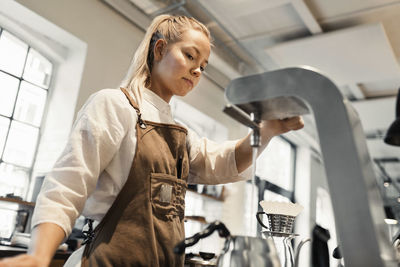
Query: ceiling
x=356 y=43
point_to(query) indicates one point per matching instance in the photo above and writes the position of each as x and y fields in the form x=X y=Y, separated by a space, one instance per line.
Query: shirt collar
x=156 y=101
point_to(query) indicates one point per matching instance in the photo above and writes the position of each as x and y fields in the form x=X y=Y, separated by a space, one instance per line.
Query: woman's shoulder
x=109 y=102
x=109 y=95
x=109 y=98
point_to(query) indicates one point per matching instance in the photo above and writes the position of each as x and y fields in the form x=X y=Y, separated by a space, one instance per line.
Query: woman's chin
x=183 y=92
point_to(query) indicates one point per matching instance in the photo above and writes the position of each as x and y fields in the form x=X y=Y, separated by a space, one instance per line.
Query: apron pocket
x=167 y=195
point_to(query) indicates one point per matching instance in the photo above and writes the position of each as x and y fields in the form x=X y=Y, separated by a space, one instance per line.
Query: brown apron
x=145 y=221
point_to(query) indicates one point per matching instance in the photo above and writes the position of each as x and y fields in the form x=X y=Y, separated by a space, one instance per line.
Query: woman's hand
x=271 y=128
x=45 y=239
x=24 y=260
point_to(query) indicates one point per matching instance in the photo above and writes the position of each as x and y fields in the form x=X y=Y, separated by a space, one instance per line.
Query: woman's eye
x=201 y=68
x=190 y=56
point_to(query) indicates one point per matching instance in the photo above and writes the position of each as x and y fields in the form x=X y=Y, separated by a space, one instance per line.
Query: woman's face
x=178 y=66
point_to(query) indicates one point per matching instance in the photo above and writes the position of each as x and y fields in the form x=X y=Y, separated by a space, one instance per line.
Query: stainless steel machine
x=357 y=204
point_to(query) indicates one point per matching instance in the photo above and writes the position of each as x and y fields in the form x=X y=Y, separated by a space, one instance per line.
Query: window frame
x=30 y=169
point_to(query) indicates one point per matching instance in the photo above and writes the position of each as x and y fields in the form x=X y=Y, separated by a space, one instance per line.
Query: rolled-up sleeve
x=211 y=162
x=94 y=139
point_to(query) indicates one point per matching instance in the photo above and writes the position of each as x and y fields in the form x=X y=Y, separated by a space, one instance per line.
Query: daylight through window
x=25 y=77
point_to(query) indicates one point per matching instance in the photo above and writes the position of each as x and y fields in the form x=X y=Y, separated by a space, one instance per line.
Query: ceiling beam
x=307 y=17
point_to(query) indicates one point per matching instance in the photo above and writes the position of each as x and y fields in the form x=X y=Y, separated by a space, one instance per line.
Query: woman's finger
x=294 y=123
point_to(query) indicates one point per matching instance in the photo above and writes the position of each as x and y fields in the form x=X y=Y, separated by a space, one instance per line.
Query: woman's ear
x=159 y=49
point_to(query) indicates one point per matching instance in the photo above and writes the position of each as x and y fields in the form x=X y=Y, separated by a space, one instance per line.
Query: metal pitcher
x=238 y=251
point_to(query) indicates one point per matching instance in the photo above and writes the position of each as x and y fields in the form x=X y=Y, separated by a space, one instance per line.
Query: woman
x=127 y=163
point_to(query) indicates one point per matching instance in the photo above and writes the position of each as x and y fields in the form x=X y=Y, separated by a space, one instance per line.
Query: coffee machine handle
x=190 y=241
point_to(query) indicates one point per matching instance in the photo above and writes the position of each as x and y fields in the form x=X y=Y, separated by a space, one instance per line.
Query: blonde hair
x=167 y=27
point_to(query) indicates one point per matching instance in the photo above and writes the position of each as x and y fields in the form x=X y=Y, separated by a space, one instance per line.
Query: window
x=275 y=164
x=25 y=77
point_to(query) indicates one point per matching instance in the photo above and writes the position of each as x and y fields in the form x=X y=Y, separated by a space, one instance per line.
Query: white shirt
x=97 y=159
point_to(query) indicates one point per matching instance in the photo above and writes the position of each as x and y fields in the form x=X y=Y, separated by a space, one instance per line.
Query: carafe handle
x=258 y=216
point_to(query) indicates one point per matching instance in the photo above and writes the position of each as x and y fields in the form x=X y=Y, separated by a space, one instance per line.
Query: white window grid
x=4 y=181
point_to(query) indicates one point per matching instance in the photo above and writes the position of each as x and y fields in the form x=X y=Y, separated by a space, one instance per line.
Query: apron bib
x=145 y=221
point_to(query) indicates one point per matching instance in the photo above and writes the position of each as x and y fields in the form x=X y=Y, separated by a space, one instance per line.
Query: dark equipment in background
x=393 y=134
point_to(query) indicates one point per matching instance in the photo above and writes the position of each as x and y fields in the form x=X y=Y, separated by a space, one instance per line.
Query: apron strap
x=135 y=106
x=131 y=100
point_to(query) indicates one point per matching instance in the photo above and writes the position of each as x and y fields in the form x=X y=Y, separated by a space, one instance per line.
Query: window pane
x=21 y=144
x=38 y=69
x=30 y=104
x=13 y=180
x=8 y=92
x=4 y=124
x=12 y=53
x=275 y=164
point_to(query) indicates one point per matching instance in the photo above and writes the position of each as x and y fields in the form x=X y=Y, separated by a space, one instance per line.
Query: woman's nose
x=196 y=72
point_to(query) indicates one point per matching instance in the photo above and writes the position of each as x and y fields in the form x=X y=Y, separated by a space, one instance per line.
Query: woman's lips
x=189 y=82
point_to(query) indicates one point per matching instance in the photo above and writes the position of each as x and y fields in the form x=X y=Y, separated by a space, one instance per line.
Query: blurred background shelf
x=18 y=201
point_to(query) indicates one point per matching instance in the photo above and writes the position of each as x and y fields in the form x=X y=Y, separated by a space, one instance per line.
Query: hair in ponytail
x=167 y=27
